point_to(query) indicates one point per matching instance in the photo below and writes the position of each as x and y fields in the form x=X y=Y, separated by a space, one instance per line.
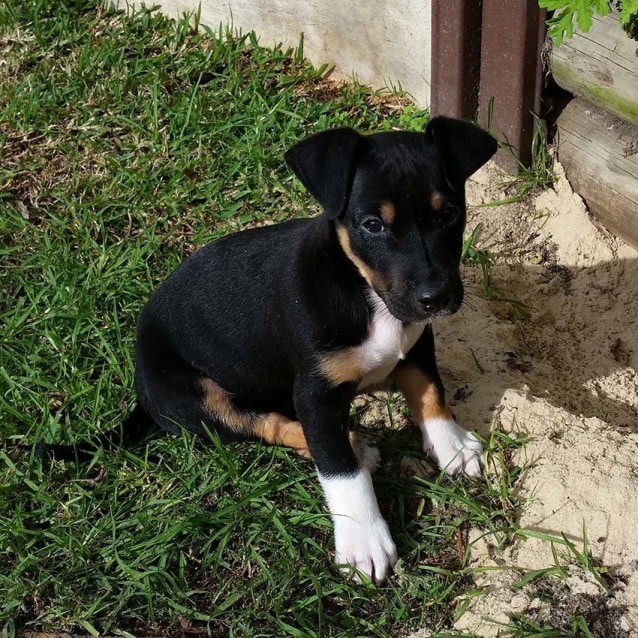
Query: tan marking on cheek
x=424 y=400
x=388 y=213
x=341 y=366
x=366 y=272
x=436 y=201
x=217 y=402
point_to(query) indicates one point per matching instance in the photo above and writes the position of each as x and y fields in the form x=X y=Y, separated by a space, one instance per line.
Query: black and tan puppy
x=269 y=333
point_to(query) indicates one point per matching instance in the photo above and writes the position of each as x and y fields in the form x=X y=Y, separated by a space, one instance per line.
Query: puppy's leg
x=456 y=450
x=277 y=429
x=362 y=537
x=220 y=413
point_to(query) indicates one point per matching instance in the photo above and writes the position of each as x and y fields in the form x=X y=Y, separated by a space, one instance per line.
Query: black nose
x=434 y=301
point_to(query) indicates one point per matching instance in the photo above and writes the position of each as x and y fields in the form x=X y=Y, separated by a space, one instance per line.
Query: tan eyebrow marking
x=437 y=200
x=388 y=213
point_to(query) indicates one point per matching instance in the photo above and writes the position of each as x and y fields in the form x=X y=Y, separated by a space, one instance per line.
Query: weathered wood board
x=380 y=43
x=601 y=66
x=600 y=154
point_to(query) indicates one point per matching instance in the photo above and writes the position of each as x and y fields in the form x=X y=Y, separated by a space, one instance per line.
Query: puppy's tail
x=134 y=428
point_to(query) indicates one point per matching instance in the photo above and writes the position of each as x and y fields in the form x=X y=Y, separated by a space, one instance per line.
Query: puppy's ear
x=325 y=165
x=463 y=147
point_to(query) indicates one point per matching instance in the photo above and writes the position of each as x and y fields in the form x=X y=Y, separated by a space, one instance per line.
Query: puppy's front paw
x=362 y=537
x=368 y=547
x=456 y=450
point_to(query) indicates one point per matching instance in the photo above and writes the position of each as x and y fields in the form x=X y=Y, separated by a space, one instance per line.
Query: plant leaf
x=561 y=24
x=628 y=10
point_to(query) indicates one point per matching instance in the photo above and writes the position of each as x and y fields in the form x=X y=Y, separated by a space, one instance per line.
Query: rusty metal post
x=456 y=55
x=511 y=74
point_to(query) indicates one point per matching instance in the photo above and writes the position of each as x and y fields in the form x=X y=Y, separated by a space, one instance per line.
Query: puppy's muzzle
x=444 y=299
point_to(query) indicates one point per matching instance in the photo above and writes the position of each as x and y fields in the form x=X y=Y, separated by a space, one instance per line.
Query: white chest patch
x=388 y=341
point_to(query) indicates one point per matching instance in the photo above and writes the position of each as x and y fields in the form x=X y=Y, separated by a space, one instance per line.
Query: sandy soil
x=565 y=375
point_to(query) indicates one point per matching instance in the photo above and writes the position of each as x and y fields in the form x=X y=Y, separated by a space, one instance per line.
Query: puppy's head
x=398 y=204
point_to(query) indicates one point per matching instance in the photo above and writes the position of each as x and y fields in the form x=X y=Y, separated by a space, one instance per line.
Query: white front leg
x=362 y=537
x=456 y=450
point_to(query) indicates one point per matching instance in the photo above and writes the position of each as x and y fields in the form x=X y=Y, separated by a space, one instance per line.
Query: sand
x=563 y=371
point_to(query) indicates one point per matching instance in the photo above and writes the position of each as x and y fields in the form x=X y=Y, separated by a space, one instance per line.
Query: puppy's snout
x=434 y=300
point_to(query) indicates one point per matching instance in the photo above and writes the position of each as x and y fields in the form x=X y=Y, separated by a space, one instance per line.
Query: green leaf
x=561 y=24
x=628 y=10
x=584 y=18
x=89 y=627
x=552 y=5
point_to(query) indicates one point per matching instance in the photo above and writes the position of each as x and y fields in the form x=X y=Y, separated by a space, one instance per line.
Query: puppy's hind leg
x=276 y=429
x=271 y=427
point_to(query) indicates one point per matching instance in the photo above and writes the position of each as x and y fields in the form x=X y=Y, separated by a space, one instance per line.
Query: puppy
x=269 y=333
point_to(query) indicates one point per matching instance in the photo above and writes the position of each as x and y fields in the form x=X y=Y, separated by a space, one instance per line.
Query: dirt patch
x=564 y=373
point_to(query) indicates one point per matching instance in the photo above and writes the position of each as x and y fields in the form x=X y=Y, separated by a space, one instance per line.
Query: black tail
x=134 y=428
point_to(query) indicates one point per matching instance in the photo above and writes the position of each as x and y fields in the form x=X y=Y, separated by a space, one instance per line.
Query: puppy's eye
x=373 y=225
x=450 y=212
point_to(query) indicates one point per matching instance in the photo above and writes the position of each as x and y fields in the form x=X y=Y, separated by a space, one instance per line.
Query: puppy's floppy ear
x=462 y=146
x=325 y=165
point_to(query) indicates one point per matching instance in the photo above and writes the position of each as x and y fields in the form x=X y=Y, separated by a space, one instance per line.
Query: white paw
x=456 y=450
x=368 y=454
x=368 y=547
x=362 y=537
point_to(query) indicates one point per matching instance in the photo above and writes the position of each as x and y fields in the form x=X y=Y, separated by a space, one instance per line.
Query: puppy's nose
x=434 y=300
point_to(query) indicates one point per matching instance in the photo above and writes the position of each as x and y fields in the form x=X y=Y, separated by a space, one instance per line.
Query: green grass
x=528 y=179
x=127 y=142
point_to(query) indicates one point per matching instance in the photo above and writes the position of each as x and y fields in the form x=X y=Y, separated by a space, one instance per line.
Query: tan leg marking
x=272 y=428
x=422 y=396
x=276 y=429
x=219 y=404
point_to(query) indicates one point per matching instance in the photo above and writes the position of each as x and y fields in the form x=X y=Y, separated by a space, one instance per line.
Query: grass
x=127 y=142
x=529 y=179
